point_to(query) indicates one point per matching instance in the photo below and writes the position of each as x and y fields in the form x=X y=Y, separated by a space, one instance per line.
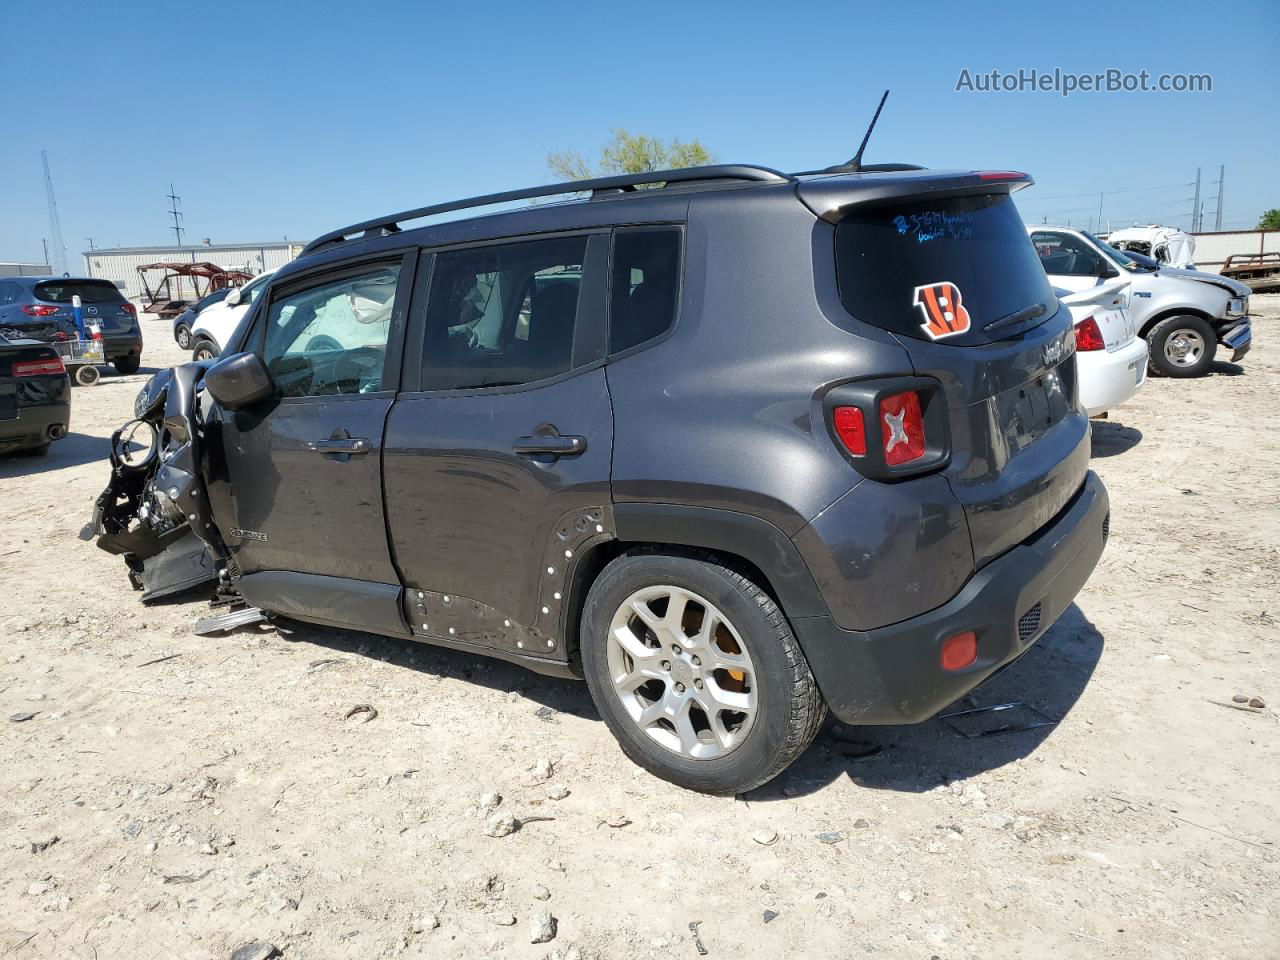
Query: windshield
x=1123 y=259
x=943 y=269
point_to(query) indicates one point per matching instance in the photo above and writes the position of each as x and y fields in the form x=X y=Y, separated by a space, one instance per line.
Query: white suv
x=215 y=324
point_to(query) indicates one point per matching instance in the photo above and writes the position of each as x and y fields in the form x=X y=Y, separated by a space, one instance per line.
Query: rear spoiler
x=1113 y=294
x=833 y=198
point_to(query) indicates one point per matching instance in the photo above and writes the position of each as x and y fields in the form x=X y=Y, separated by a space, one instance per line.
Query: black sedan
x=35 y=396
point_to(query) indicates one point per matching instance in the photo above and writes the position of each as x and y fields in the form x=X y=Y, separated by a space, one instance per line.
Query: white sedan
x=214 y=325
x=1110 y=356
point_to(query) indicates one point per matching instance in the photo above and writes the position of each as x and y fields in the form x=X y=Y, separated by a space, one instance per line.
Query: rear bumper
x=121 y=345
x=891 y=675
x=1109 y=379
x=35 y=425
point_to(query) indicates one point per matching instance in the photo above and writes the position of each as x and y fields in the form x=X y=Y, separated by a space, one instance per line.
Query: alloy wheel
x=1184 y=347
x=682 y=672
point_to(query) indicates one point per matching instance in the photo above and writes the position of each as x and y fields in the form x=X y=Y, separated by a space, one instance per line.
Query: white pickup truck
x=1182 y=314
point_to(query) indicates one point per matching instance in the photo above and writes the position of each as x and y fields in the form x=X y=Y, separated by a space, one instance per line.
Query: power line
x=1094 y=193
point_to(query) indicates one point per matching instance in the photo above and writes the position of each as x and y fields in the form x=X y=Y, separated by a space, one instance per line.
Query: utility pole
x=1100 y=196
x=174 y=212
x=1195 y=206
x=45 y=243
x=1222 y=175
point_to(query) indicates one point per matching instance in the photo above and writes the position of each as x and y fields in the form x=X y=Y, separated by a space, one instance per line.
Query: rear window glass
x=89 y=291
x=942 y=269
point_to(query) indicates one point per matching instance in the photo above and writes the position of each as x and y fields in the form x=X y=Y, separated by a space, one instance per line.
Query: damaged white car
x=1110 y=356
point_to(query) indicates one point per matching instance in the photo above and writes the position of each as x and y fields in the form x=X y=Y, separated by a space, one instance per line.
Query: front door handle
x=553 y=445
x=349 y=445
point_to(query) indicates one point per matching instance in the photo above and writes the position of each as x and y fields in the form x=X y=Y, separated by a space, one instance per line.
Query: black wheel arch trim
x=757 y=541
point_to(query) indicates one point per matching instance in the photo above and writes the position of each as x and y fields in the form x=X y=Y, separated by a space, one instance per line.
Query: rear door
x=959 y=284
x=1069 y=261
x=498 y=452
x=304 y=490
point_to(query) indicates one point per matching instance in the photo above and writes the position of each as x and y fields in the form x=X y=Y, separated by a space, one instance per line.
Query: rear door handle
x=351 y=445
x=556 y=446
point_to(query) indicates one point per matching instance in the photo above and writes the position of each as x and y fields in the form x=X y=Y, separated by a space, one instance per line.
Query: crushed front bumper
x=1237 y=335
x=892 y=675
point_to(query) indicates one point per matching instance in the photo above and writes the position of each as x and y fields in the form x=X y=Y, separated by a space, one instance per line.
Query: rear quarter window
x=89 y=291
x=941 y=269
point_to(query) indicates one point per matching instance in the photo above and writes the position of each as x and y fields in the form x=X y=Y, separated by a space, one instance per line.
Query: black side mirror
x=1105 y=270
x=239 y=381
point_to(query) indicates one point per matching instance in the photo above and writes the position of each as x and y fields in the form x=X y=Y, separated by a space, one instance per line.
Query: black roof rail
x=623 y=183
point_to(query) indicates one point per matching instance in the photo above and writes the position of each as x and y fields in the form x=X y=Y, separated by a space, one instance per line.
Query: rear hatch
x=100 y=302
x=953 y=276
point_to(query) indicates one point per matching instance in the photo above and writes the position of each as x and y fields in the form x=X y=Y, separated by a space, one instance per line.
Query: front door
x=497 y=466
x=304 y=489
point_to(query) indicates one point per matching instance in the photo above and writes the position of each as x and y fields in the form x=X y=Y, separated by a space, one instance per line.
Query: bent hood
x=1235 y=287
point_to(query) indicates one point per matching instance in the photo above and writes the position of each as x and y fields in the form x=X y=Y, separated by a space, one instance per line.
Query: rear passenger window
x=646 y=283
x=502 y=315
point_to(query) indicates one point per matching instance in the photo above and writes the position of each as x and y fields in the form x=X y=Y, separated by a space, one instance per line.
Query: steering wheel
x=322 y=341
x=358 y=370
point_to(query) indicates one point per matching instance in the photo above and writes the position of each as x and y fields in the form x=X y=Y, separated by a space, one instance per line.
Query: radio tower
x=59 y=264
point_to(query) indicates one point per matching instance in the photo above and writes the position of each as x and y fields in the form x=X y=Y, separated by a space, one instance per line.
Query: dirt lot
x=219 y=797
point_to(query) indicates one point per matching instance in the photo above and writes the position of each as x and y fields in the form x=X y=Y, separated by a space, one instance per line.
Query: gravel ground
x=188 y=806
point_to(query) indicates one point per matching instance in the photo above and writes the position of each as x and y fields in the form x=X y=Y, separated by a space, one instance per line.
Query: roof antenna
x=855 y=164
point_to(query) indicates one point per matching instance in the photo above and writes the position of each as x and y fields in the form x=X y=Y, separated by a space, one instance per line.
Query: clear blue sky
x=275 y=119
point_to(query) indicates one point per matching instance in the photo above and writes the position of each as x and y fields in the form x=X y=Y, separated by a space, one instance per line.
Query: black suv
x=41 y=308
x=733 y=445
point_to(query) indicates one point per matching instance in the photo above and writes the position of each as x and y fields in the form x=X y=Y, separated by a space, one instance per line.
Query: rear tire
x=127 y=365
x=729 y=730
x=1182 y=346
x=87 y=375
x=204 y=350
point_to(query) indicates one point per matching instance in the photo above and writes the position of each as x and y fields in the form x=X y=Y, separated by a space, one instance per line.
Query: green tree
x=1270 y=220
x=630 y=153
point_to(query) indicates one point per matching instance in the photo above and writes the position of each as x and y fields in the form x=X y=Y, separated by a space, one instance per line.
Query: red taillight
x=1000 y=175
x=1089 y=336
x=850 y=429
x=901 y=428
x=131 y=309
x=959 y=651
x=36 y=368
x=38 y=310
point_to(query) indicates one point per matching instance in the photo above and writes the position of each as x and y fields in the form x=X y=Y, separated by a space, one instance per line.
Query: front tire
x=204 y=350
x=696 y=672
x=1182 y=346
x=183 y=336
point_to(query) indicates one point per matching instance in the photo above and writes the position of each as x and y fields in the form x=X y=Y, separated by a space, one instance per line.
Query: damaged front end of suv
x=155 y=511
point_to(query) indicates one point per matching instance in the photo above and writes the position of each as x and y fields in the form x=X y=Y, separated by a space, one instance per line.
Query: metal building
x=119 y=264
x=8 y=269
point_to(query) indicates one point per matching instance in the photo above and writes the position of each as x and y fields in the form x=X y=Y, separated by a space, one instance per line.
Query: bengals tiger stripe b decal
x=944 y=313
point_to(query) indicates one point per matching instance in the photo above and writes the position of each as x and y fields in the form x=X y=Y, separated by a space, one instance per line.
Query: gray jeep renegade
x=735 y=446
